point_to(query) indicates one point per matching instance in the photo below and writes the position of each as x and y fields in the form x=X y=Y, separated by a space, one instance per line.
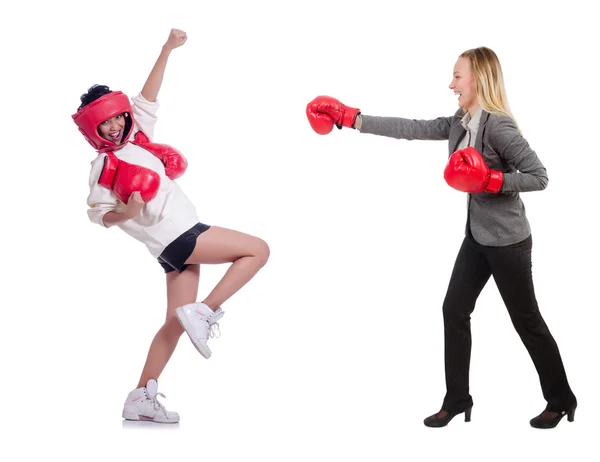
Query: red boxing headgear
x=90 y=116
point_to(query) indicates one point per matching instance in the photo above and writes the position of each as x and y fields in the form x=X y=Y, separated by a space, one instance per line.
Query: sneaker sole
x=130 y=415
x=182 y=318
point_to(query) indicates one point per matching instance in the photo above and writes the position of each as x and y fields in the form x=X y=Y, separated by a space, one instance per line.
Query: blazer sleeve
x=514 y=150
x=408 y=129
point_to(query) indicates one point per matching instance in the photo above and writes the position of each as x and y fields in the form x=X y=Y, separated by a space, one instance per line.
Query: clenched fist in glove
x=124 y=178
x=174 y=162
x=467 y=172
x=324 y=111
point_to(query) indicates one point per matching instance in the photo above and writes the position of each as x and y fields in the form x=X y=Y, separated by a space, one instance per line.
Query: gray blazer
x=495 y=219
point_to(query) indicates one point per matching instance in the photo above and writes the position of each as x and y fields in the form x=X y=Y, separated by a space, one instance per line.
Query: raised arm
x=152 y=86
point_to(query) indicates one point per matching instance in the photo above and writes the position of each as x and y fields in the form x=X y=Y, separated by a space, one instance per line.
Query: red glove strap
x=141 y=138
x=496 y=180
x=109 y=170
x=349 y=117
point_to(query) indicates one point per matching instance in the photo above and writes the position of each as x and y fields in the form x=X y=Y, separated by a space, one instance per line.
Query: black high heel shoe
x=436 y=421
x=548 y=419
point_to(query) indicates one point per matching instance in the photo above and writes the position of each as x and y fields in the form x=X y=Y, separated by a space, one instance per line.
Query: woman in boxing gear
x=132 y=186
x=493 y=163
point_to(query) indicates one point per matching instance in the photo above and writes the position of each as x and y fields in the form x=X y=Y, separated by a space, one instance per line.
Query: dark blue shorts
x=177 y=252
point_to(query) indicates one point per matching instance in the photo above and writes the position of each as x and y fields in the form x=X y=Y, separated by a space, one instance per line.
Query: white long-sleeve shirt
x=164 y=218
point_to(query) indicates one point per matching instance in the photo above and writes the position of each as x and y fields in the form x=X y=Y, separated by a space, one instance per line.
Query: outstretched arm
x=152 y=86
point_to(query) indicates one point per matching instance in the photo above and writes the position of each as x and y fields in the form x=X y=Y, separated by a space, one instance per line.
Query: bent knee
x=456 y=306
x=262 y=251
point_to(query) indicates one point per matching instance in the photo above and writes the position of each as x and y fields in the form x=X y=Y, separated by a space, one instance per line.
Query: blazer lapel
x=479 y=140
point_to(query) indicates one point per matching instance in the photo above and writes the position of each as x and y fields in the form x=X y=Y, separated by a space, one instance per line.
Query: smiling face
x=463 y=85
x=112 y=129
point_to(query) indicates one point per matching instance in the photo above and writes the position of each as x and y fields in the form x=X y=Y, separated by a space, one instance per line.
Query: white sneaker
x=141 y=404
x=200 y=323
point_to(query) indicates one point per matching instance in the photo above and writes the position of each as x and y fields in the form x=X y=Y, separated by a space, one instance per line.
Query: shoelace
x=158 y=406
x=214 y=330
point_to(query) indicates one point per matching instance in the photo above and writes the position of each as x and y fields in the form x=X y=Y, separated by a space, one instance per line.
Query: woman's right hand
x=134 y=205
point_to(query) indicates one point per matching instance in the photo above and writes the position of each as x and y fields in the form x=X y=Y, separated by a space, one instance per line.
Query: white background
x=335 y=350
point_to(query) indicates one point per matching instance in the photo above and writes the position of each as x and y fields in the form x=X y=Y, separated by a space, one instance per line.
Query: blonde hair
x=489 y=81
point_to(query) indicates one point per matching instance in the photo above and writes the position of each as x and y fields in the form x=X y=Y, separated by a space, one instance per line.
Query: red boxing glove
x=324 y=111
x=174 y=162
x=467 y=172
x=124 y=178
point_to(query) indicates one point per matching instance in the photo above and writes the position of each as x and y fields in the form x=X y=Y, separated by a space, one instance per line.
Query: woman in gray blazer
x=493 y=163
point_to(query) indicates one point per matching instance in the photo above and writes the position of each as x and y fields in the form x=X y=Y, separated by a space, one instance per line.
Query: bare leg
x=182 y=288
x=248 y=254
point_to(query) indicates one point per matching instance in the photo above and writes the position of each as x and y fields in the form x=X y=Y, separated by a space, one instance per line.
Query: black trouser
x=511 y=268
